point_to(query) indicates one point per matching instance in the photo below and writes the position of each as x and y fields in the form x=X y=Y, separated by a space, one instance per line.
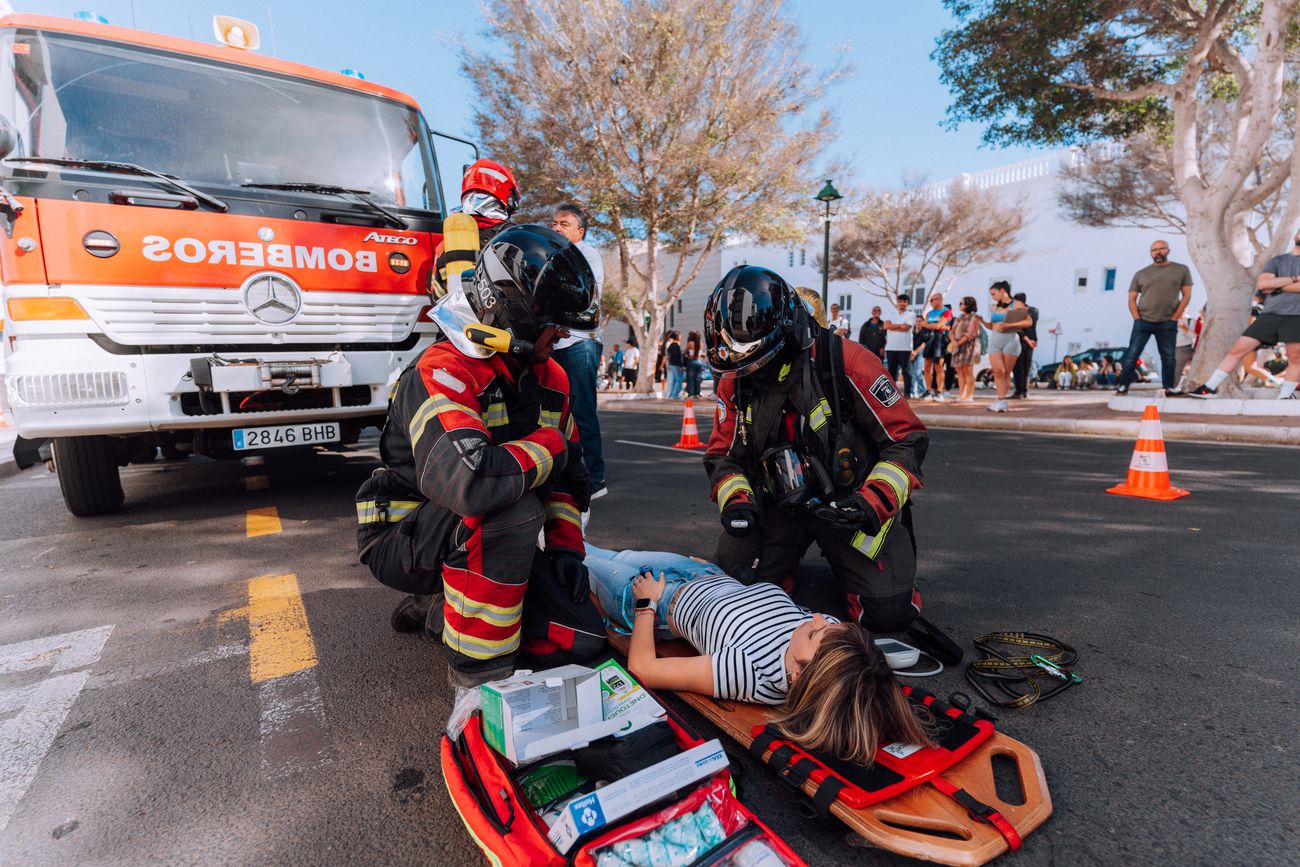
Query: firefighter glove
x=739 y=519
x=850 y=513
x=571 y=572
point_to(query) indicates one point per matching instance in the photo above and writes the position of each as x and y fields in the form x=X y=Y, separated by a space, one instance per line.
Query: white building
x=1076 y=276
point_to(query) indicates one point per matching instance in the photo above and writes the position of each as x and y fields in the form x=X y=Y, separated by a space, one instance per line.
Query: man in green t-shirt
x=1157 y=298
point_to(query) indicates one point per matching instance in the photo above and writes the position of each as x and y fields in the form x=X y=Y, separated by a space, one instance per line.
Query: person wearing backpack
x=812 y=442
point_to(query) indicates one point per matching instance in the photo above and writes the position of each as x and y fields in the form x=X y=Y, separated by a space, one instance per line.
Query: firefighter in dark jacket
x=811 y=443
x=480 y=454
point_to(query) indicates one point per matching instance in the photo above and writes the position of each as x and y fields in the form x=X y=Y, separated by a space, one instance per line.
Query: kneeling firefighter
x=480 y=454
x=811 y=442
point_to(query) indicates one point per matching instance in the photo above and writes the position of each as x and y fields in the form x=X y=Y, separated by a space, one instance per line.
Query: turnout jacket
x=470 y=436
x=888 y=442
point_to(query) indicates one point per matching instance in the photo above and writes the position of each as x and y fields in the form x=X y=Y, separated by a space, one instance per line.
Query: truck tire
x=88 y=475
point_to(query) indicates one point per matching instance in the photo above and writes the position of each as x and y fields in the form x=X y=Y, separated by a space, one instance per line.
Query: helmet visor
x=480 y=204
x=566 y=290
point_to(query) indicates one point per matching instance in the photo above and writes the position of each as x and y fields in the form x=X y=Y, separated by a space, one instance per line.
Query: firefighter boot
x=411 y=613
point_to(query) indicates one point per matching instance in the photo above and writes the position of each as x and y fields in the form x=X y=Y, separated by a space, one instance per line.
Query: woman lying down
x=835 y=693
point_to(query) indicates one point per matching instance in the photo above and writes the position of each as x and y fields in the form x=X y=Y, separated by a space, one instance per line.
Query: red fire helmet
x=496 y=180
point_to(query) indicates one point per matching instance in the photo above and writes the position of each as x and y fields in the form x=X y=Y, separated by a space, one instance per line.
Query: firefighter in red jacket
x=480 y=454
x=489 y=194
x=811 y=443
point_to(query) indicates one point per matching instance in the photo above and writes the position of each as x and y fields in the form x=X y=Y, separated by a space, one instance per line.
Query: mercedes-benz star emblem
x=272 y=298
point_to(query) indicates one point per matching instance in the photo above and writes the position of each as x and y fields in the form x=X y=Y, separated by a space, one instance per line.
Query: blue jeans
x=581 y=362
x=694 y=377
x=676 y=377
x=1166 y=335
x=612 y=573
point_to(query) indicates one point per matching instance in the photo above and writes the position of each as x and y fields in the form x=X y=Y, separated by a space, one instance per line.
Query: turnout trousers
x=878 y=593
x=501 y=597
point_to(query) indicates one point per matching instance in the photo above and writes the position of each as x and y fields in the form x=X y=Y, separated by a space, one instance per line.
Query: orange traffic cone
x=690 y=432
x=1148 y=472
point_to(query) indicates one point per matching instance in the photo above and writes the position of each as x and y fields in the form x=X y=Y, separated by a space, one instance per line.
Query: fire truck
x=205 y=250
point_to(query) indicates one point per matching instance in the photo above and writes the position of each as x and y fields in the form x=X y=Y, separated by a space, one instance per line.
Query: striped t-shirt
x=746 y=631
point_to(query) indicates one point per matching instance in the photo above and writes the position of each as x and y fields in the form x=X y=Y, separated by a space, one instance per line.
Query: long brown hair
x=846 y=702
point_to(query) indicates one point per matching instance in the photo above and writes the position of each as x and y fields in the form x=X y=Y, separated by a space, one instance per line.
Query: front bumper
x=71 y=387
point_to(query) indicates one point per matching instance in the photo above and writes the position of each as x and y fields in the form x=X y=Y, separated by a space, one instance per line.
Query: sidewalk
x=1078 y=413
x=8 y=466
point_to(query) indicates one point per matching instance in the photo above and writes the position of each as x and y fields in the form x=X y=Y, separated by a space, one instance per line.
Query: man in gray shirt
x=1157 y=298
x=1278 y=322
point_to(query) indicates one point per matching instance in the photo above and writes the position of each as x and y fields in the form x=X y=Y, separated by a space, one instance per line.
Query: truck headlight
x=54 y=390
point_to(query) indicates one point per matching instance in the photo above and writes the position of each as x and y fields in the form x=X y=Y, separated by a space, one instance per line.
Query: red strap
x=980 y=810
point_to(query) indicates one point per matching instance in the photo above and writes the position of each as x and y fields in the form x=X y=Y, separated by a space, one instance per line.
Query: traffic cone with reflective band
x=690 y=432
x=1148 y=472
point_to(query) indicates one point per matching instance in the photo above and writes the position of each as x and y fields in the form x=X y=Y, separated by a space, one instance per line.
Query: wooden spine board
x=887 y=824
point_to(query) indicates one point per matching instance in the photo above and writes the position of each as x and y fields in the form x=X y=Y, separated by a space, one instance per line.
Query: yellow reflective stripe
x=496 y=415
x=494 y=614
x=819 y=414
x=870 y=545
x=435 y=405
x=568 y=427
x=477 y=648
x=368 y=511
x=894 y=477
x=563 y=512
x=541 y=457
x=549 y=418
x=730 y=487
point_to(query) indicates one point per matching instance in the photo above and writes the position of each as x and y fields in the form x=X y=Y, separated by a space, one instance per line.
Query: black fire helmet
x=751 y=317
x=531 y=276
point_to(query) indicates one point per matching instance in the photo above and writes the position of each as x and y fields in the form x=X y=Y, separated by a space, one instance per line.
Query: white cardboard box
x=586 y=813
x=532 y=715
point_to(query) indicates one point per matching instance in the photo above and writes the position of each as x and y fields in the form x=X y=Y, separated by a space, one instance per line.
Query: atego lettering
x=253 y=254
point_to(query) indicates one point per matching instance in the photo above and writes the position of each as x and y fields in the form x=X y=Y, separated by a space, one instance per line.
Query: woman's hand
x=647 y=586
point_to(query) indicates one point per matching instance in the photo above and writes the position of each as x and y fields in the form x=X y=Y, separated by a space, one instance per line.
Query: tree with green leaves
x=676 y=122
x=1209 y=83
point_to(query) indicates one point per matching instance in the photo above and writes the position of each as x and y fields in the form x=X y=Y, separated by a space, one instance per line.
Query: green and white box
x=622 y=696
x=586 y=813
x=536 y=714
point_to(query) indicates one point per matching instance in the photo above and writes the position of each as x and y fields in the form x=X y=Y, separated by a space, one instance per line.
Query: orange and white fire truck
x=205 y=249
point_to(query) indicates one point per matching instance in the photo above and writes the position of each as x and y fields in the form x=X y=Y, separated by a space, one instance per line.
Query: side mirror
x=8 y=137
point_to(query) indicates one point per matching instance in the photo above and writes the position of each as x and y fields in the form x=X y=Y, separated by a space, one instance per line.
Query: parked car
x=1047 y=372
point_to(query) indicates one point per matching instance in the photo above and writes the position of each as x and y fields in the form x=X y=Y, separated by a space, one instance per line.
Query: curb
x=8 y=467
x=1123 y=429
x=1126 y=429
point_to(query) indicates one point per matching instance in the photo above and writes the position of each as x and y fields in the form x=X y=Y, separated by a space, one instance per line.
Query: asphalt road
x=166 y=698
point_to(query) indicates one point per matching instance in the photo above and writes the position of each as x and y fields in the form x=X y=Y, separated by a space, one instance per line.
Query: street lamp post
x=827 y=196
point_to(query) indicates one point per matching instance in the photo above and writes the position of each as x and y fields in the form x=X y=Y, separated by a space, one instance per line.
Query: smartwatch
x=644 y=603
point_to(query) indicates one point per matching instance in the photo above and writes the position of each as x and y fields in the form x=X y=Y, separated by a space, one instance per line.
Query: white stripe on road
x=36 y=712
x=680 y=452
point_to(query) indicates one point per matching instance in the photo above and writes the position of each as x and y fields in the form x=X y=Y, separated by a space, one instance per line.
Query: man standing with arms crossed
x=1157 y=298
x=1278 y=322
x=579 y=353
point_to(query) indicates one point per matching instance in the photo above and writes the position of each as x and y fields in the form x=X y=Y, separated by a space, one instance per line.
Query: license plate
x=285 y=435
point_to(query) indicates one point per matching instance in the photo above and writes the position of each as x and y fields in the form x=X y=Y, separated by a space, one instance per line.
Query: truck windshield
x=211 y=123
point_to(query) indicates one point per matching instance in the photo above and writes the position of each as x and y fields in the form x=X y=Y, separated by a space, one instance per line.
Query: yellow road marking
x=279 y=637
x=263 y=522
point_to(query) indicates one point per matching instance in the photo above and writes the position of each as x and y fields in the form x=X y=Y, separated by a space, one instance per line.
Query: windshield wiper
x=361 y=197
x=127 y=169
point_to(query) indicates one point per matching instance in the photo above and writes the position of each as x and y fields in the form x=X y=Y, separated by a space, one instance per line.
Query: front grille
x=68 y=390
x=140 y=316
x=209 y=403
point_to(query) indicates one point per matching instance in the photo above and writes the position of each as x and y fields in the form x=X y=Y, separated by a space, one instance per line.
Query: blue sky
x=889 y=111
